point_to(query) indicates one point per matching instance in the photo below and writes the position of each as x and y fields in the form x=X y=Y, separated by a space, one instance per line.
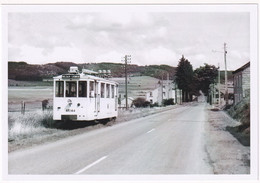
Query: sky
x=160 y=37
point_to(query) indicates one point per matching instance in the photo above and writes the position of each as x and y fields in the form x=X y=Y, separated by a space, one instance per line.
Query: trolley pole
x=127 y=59
x=225 y=59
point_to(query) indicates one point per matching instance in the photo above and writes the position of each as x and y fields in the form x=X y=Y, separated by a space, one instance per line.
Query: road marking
x=92 y=164
x=150 y=131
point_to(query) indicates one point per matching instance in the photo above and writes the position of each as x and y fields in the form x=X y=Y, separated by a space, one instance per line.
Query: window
x=91 y=89
x=108 y=90
x=59 y=91
x=82 y=88
x=113 y=91
x=102 y=90
x=71 y=89
x=151 y=94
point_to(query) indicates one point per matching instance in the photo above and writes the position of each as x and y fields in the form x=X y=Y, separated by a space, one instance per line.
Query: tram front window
x=82 y=88
x=59 y=89
x=71 y=89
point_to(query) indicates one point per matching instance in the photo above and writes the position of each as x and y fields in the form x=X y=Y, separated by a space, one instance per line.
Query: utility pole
x=214 y=94
x=218 y=85
x=162 y=90
x=225 y=59
x=176 y=101
x=127 y=59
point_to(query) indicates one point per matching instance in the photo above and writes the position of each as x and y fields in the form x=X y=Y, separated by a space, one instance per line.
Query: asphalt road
x=170 y=142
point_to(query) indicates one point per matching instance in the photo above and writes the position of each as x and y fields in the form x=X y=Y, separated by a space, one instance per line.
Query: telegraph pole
x=162 y=89
x=225 y=59
x=127 y=59
x=218 y=85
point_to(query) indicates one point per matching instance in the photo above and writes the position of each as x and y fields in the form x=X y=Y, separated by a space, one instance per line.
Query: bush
x=154 y=105
x=169 y=101
x=241 y=111
x=140 y=102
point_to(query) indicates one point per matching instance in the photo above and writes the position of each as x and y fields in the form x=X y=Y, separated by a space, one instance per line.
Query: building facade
x=165 y=89
x=241 y=78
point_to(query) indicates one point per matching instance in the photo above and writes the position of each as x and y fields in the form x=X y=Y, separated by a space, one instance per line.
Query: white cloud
x=151 y=38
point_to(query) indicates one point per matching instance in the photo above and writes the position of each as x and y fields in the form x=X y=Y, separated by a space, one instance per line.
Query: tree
x=206 y=75
x=184 y=78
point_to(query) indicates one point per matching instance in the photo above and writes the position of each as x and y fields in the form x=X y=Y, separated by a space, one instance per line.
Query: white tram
x=84 y=96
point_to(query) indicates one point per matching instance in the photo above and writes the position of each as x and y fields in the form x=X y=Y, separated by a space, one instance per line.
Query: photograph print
x=133 y=90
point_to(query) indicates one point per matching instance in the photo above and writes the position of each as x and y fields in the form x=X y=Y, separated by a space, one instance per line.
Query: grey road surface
x=170 y=142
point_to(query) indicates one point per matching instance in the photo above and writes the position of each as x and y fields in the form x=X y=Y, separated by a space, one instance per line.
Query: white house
x=165 y=89
x=122 y=104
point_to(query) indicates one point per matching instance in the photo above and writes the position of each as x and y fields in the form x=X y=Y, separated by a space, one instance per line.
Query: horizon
x=113 y=63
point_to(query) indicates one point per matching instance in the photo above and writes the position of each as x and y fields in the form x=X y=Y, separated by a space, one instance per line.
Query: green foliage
x=169 y=101
x=140 y=102
x=184 y=74
x=205 y=76
x=185 y=79
x=241 y=111
x=154 y=104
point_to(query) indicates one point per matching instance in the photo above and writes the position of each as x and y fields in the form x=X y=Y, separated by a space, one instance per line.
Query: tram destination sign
x=70 y=76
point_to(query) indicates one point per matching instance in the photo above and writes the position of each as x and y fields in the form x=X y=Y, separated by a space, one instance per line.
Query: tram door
x=97 y=98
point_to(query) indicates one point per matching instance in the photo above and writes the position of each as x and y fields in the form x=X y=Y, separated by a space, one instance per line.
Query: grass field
x=137 y=86
x=34 y=92
x=32 y=96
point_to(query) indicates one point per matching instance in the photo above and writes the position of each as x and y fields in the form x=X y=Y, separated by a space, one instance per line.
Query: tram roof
x=84 y=76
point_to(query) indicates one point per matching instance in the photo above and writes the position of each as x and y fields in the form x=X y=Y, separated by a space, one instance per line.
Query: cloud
x=150 y=37
x=159 y=55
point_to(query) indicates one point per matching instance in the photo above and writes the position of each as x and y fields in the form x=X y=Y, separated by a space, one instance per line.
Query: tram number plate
x=70 y=110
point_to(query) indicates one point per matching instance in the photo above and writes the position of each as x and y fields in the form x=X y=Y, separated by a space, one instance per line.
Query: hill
x=137 y=85
x=23 y=71
x=222 y=76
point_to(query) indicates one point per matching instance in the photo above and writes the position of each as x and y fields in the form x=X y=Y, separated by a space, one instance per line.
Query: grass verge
x=241 y=133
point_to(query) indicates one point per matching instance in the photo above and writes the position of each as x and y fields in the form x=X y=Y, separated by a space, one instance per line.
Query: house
x=165 y=89
x=214 y=93
x=122 y=103
x=241 y=78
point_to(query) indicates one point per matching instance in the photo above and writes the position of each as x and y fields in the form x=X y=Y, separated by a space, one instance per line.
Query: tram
x=84 y=96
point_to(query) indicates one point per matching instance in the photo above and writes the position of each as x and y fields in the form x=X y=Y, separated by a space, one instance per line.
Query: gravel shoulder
x=226 y=154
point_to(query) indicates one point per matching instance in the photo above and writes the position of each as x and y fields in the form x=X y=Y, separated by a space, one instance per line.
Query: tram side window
x=102 y=90
x=91 y=89
x=71 y=89
x=82 y=88
x=108 y=90
x=113 y=91
x=59 y=91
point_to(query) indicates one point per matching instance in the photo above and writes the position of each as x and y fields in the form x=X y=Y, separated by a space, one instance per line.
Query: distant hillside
x=28 y=72
x=222 y=76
